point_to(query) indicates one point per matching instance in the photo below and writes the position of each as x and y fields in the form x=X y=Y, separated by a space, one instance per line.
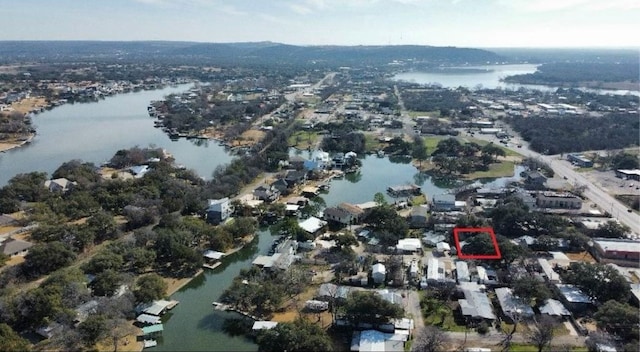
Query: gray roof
x=511 y=304
x=573 y=294
x=335 y=291
x=6 y=219
x=476 y=304
x=13 y=246
x=554 y=307
x=462 y=271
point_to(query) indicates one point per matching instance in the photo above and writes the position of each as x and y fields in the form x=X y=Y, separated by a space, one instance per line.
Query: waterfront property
x=219 y=210
x=212 y=259
x=60 y=185
x=404 y=190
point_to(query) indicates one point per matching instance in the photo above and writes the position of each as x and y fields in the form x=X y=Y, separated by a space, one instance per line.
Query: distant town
x=358 y=211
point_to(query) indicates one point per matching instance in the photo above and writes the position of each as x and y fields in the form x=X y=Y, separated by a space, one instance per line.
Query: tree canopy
x=300 y=335
x=370 y=307
x=619 y=319
x=599 y=281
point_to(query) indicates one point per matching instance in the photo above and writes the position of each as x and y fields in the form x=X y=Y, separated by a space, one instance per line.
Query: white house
x=59 y=185
x=378 y=273
x=219 y=210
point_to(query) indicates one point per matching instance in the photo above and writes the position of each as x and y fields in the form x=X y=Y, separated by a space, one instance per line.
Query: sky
x=461 y=23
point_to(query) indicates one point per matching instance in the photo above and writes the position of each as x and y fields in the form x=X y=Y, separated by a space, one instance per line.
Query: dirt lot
x=613 y=185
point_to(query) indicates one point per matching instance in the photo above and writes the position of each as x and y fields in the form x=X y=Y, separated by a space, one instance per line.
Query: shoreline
x=174 y=285
x=9 y=145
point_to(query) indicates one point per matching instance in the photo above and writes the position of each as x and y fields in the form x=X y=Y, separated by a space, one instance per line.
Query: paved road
x=473 y=339
x=594 y=192
x=412 y=306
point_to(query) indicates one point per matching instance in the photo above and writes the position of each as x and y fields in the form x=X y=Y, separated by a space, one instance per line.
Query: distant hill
x=258 y=52
x=569 y=55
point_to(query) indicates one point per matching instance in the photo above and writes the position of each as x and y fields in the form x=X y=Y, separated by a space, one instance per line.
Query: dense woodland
x=564 y=134
x=561 y=73
x=433 y=100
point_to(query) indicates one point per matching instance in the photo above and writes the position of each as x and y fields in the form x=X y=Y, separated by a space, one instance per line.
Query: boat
x=381 y=153
x=150 y=343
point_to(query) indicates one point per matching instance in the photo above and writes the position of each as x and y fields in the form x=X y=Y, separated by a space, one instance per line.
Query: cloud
x=300 y=9
x=555 y=5
x=231 y=10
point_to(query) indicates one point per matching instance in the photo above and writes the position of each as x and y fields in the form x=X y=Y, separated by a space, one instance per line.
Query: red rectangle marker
x=456 y=237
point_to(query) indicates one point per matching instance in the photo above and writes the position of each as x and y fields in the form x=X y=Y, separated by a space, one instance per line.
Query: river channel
x=93 y=132
x=489 y=77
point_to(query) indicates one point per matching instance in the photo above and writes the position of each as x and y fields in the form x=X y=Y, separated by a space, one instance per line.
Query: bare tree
x=430 y=339
x=542 y=333
x=508 y=335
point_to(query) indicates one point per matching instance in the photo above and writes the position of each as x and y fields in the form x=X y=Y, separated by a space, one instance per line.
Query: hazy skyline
x=463 y=23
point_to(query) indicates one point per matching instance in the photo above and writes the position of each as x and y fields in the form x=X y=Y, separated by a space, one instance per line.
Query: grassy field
x=502 y=169
x=415 y=114
x=372 y=144
x=304 y=139
x=482 y=142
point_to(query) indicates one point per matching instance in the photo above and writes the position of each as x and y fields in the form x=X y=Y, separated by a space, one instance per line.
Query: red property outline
x=489 y=230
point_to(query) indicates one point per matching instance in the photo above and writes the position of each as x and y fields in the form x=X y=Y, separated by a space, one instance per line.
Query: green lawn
x=371 y=143
x=304 y=139
x=431 y=142
x=518 y=347
x=501 y=169
x=448 y=325
x=482 y=142
x=415 y=114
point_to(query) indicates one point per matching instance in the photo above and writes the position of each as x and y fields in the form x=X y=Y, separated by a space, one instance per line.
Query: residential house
x=263 y=325
x=432 y=238
x=219 y=210
x=139 y=171
x=549 y=274
x=404 y=190
x=435 y=271
x=573 y=298
x=312 y=225
x=335 y=214
x=284 y=255
x=84 y=310
x=356 y=213
x=330 y=292
x=267 y=193
x=462 y=271
x=281 y=185
x=374 y=340
x=409 y=245
x=297 y=162
x=512 y=306
x=378 y=273
x=554 y=308
x=414 y=269
x=13 y=247
x=295 y=178
x=558 y=200
x=418 y=218
x=444 y=202
x=475 y=305
x=6 y=220
x=60 y=185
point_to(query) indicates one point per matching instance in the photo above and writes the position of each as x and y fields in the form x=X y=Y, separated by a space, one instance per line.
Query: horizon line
x=600 y=47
